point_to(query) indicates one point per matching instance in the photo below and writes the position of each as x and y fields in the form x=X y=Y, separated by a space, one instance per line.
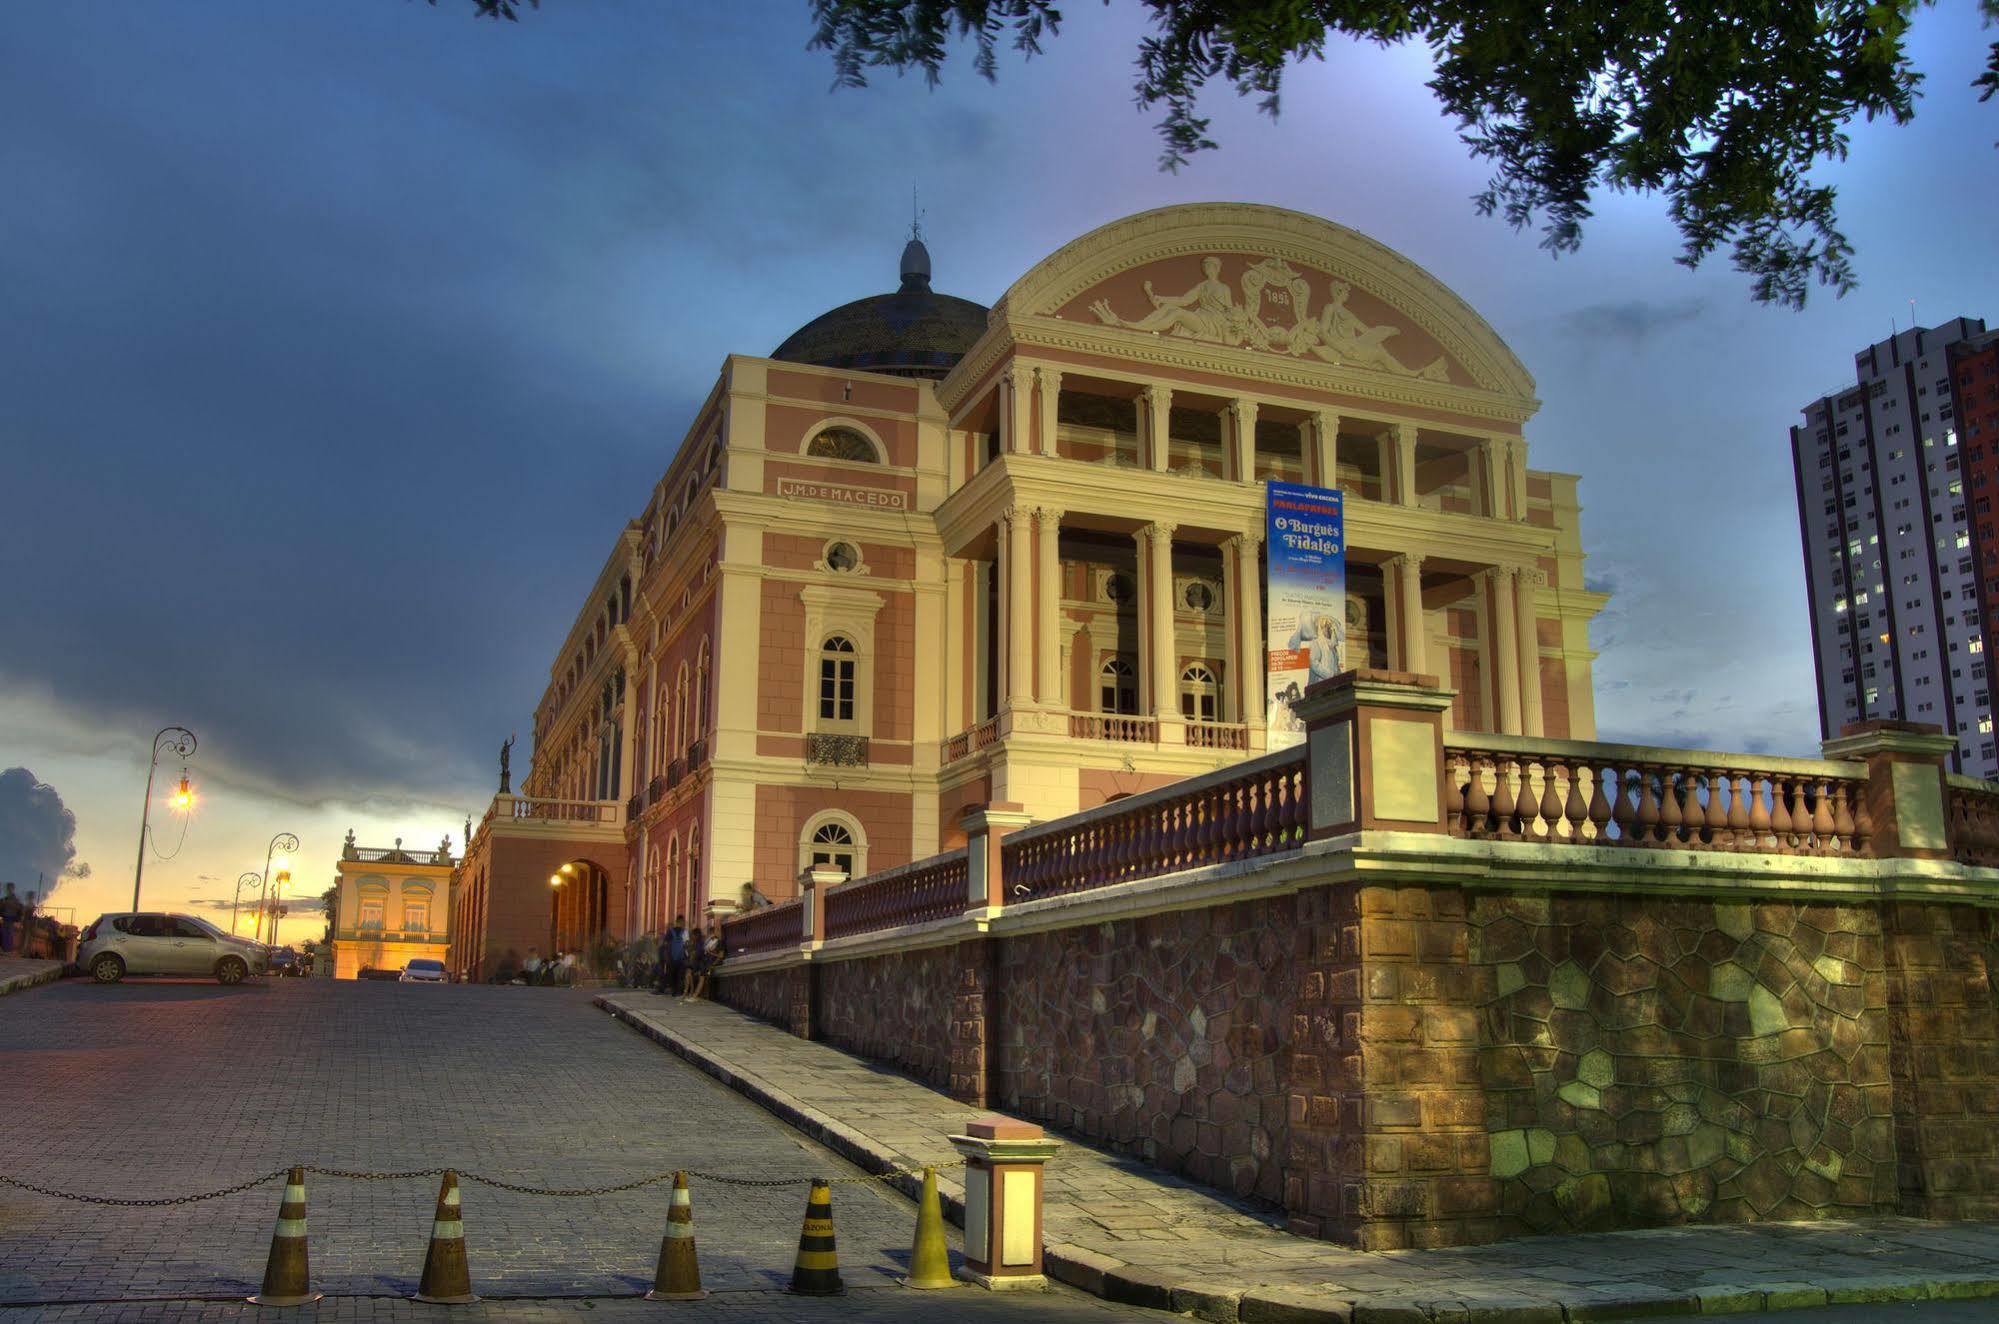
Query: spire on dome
x=915 y=264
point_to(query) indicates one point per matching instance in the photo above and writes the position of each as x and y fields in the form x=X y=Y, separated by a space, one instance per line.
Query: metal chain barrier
x=517 y=1188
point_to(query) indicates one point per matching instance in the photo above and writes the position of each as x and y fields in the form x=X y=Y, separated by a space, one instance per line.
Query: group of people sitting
x=559 y=969
x=677 y=963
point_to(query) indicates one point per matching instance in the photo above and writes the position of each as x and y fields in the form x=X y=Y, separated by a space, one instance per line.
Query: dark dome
x=914 y=332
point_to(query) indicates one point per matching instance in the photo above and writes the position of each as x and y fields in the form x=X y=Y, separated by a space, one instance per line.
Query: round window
x=842 y=557
x=1120 y=588
x=1200 y=597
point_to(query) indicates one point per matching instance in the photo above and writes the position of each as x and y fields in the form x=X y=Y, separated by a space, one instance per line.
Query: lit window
x=1117 y=687
x=1197 y=693
x=832 y=847
x=842 y=444
x=836 y=679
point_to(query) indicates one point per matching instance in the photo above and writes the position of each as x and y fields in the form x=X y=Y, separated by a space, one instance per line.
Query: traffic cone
x=929 y=1259
x=287 y=1282
x=817 y=1272
x=446 y=1280
x=678 y=1277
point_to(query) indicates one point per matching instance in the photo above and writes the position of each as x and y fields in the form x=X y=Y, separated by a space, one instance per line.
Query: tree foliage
x=1724 y=108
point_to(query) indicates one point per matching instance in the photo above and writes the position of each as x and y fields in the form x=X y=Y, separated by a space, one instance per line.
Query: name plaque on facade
x=852 y=496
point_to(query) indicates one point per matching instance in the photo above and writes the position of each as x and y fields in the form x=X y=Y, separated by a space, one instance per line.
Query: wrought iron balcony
x=836 y=751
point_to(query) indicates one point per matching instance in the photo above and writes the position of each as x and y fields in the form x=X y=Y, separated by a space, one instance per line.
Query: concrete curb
x=1208 y=1297
x=27 y=979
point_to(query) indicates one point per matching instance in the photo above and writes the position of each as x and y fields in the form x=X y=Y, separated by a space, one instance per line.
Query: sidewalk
x=18 y=973
x=1116 y=1227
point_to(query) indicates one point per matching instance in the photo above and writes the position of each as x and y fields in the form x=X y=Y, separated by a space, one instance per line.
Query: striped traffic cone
x=678 y=1277
x=817 y=1272
x=446 y=1280
x=287 y=1281
x=930 y=1258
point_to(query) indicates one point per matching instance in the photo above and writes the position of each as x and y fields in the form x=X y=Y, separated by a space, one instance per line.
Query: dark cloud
x=37 y=833
x=1631 y=321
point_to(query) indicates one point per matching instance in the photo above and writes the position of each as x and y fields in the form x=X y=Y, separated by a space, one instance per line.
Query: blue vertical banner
x=1305 y=598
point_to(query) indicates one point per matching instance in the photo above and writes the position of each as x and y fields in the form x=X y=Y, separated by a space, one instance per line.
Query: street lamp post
x=288 y=843
x=277 y=909
x=242 y=881
x=182 y=743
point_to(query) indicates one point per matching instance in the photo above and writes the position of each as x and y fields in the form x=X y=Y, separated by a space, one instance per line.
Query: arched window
x=837 y=660
x=1117 y=687
x=843 y=444
x=833 y=841
x=692 y=872
x=1198 y=693
x=701 y=692
x=672 y=891
x=680 y=736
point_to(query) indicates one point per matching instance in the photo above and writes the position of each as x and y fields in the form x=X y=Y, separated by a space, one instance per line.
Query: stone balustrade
x=780 y=927
x=1973 y=810
x=916 y=893
x=1583 y=793
x=970 y=741
x=1114 y=727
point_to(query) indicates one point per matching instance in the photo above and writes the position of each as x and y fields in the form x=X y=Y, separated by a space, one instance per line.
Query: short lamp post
x=554 y=906
x=178 y=740
x=286 y=842
x=250 y=879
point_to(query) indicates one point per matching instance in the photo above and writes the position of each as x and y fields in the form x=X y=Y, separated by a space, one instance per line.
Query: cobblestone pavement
x=164 y=1088
x=1129 y=1232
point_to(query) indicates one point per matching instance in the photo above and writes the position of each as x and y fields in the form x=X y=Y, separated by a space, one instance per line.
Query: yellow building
x=394 y=906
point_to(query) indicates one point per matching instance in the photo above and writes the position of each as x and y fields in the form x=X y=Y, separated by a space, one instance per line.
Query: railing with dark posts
x=917 y=893
x=775 y=928
x=1972 y=808
x=1565 y=792
x=1253 y=808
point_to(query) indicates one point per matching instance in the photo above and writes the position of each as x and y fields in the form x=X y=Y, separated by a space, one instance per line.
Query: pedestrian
x=532 y=966
x=10 y=921
x=708 y=955
x=659 y=966
x=696 y=958
x=676 y=956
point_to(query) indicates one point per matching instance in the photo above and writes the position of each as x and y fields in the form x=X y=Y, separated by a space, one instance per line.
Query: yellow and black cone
x=287 y=1281
x=930 y=1258
x=446 y=1281
x=817 y=1272
x=678 y=1277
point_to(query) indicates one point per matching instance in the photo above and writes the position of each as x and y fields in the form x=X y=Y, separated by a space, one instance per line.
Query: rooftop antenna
x=915 y=215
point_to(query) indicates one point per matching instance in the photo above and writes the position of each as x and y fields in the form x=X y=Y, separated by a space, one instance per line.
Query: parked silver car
x=423 y=970
x=149 y=943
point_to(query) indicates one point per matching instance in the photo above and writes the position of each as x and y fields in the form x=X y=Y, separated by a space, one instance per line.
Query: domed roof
x=914 y=332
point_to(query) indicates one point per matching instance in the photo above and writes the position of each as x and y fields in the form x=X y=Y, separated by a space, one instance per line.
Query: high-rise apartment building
x=1886 y=508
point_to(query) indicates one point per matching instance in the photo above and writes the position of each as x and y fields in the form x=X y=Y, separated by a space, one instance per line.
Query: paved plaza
x=159 y=1089
x=1130 y=1232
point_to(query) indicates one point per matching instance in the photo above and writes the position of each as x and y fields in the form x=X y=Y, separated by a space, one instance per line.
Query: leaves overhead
x=1723 y=108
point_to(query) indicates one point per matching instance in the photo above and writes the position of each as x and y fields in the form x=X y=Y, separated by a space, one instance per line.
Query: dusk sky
x=338 y=341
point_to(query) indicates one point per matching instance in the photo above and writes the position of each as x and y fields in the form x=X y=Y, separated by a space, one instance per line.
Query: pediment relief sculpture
x=1211 y=313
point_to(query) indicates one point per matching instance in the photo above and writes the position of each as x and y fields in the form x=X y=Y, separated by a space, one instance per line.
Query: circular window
x=1199 y=597
x=842 y=557
x=1120 y=587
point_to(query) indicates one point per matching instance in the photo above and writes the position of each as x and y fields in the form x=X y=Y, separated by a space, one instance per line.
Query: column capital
x=1017 y=514
x=1049 y=517
x=1491 y=575
x=1403 y=431
x=1243 y=544
x=1406 y=561
x=1155 y=531
x=1531 y=576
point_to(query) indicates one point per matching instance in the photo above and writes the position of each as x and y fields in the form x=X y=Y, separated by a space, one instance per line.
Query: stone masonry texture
x=1414 y=1066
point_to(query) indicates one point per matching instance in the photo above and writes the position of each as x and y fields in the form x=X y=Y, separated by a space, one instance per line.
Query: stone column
x=1048 y=611
x=1492 y=497
x=1242 y=414
x=1527 y=582
x=1516 y=476
x=628 y=785
x=1326 y=449
x=1243 y=596
x=1411 y=635
x=1013 y=412
x=1155 y=407
x=1503 y=647
x=1048 y=382
x=1404 y=447
x=1157 y=652
x=1016 y=610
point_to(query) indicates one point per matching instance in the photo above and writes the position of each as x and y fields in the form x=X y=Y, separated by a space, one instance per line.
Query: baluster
x=1503 y=804
x=1600 y=808
x=1740 y=827
x=1693 y=818
x=1720 y=794
x=1651 y=816
x=1759 y=814
x=1801 y=818
x=1575 y=810
x=1239 y=821
x=1670 y=817
x=1551 y=804
x=1454 y=795
x=1780 y=814
x=1842 y=816
x=1822 y=825
x=1266 y=818
x=1478 y=803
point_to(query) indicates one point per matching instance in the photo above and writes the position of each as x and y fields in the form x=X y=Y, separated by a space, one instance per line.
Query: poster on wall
x=1305 y=598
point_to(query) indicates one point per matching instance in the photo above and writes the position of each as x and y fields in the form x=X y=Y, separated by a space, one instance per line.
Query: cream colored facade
x=858 y=603
x=395 y=906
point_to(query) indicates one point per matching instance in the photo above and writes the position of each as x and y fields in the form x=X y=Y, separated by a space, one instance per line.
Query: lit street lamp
x=277 y=909
x=250 y=879
x=181 y=743
x=283 y=841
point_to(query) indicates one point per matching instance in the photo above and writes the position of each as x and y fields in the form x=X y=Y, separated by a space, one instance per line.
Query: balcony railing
x=654 y=790
x=1114 y=727
x=697 y=755
x=969 y=742
x=929 y=889
x=774 y=928
x=1218 y=735
x=1582 y=793
x=836 y=751
x=676 y=772
x=397 y=855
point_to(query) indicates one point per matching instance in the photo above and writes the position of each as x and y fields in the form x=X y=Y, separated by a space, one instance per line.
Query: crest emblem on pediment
x=1272 y=313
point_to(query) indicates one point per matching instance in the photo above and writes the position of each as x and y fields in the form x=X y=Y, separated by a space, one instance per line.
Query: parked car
x=285 y=962
x=423 y=970
x=150 y=943
x=378 y=972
